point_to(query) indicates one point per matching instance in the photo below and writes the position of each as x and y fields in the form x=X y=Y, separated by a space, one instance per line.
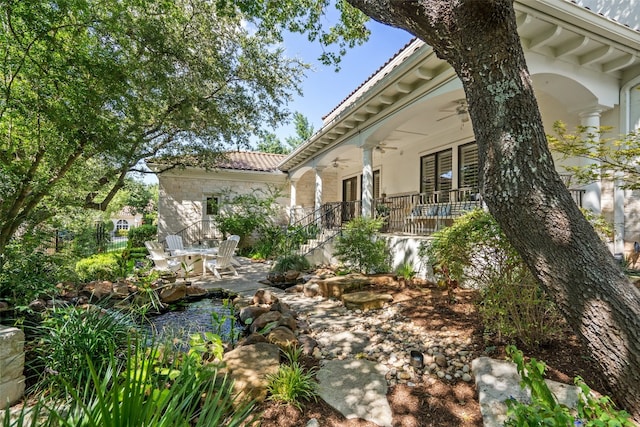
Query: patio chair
x=162 y=261
x=222 y=261
x=174 y=243
x=157 y=246
x=237 y=239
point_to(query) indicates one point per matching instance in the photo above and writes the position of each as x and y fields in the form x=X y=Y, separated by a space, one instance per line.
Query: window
x=212 y=205
x=376 y=184
x=468 y=166
x=350 y=189
x=436 y=174
x=122 y=224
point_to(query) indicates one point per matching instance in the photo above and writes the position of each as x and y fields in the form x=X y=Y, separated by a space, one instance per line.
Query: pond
x=206 y=315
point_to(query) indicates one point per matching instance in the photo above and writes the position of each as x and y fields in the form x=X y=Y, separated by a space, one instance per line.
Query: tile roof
x=251 y=161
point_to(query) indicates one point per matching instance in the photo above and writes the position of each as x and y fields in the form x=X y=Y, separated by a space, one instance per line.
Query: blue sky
x=323 y=88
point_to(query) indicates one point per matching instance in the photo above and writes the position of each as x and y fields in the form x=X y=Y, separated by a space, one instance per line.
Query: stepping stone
x=356 y=388
x=365 y=300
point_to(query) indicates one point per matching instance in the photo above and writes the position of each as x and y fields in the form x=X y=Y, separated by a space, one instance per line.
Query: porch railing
x=422 y=213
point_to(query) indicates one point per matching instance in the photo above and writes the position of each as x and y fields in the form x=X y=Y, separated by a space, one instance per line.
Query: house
x=124 y=220
x=189 y=198
x=403 y=140
x=401 y=145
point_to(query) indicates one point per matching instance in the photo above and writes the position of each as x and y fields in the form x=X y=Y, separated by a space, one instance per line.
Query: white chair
x=223 y=259
x=237 y=239
x=162 y=261
x=174 y=243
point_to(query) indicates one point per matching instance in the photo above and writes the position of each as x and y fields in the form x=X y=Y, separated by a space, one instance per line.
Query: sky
x=323 y=88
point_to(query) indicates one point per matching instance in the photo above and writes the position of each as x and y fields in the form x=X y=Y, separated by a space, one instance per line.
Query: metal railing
x=198 y=232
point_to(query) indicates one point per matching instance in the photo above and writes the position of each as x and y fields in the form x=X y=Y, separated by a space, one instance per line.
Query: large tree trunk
x=520 y=184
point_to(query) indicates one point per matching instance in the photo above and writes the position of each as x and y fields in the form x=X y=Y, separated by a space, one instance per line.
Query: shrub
x=361 y=247
x=67 y=337
x=545 y=410
x=292 y=383
x=246 y=214
x=291 y=262
x=27 y=273
x=98 y=267
x=139 y=235
x=475 y=251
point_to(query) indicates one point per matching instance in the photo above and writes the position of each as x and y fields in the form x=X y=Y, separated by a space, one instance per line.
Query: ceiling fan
x=459 y=108
x=382 y=147
x=338 y=161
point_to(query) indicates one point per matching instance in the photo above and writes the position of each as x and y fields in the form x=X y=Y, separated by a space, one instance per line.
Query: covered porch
x=402 y=146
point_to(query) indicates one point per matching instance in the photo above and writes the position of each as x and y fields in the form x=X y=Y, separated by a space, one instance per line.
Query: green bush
x=139 y=235
x=474 y=251
x=98 y=267
x=27 y=273
x=248 y=214
x=361 y=247
x=291 y=262
x=68 y=337
x=545 y=410
x=292 y=384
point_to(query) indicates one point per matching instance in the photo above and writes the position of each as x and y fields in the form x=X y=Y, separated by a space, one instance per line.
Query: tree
x=271 y=144
x=519 y=183
x=606 y=158
x=304 y=131
x=89 y=89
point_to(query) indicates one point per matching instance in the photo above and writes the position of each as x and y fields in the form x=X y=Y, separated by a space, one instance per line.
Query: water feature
x=204 y=315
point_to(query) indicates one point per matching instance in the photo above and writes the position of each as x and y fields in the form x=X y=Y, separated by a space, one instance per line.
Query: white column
x=293 y=183
x=318 y=193
x=367 y=182
x=591 y=199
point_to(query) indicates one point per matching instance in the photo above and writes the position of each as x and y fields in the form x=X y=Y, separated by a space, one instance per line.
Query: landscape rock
x=264 y=296
x=365 y=300
x=196 y=291
x=252 y=312
x=264 y=319
x=311 y=289
x=283 y=337
x=356 y=388
x=249 y=367
x=335 y=287
x=98 y=290
x=173 y=292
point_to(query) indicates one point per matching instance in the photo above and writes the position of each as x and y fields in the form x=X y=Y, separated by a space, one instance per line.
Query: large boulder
x=283 y=337
x=264 y=319
x=249 y=367
x=365 y=300
x=335 y=287
x=173 y=292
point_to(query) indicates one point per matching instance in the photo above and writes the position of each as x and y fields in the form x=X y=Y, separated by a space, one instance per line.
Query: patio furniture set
x=194 y=259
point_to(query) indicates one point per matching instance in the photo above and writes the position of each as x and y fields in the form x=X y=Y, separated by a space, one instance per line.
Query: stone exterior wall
x=182 y=195
x=11 y=365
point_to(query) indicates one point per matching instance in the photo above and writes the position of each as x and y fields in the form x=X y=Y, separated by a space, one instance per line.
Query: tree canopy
x=271 y=144
x=91 y=88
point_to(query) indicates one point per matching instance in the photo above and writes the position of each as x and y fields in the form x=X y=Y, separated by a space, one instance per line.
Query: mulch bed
x=437 y=402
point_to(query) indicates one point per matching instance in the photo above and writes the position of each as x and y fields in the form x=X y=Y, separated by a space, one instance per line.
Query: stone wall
x=11 y=365
x=183 y=194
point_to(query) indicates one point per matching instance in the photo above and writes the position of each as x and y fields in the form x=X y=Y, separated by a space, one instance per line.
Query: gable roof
x=251 y=161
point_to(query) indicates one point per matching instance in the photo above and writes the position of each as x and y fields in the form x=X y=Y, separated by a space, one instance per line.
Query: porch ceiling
x=560 y=30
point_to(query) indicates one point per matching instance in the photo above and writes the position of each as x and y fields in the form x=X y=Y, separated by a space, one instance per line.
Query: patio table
x=194 y=257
